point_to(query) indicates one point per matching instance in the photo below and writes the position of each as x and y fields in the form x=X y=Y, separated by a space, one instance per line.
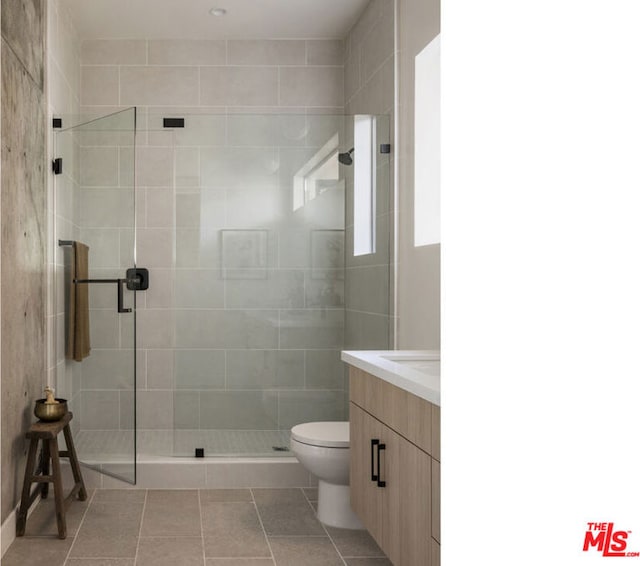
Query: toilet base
x=334 y=507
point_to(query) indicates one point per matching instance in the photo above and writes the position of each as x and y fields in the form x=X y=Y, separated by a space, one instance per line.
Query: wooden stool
x=48 y=433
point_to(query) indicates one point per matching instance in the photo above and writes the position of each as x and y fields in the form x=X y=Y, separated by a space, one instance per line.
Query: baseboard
x=8 y=530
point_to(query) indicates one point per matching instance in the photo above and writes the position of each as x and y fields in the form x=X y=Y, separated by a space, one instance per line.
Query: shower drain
x=280 y=448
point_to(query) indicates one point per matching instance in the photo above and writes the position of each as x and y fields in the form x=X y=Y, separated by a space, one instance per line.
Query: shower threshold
x=117 y=445
x=233 y=459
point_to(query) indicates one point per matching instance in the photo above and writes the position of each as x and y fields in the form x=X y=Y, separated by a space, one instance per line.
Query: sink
x=425 y=366
x=428 y=364
x=415 y=371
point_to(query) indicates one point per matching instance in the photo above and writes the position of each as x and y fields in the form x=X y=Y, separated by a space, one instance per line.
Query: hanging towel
x=78 y=345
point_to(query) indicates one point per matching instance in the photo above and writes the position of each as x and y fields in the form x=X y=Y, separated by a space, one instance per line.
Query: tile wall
x=369 y=89
x=244 y=320
x=233 y=74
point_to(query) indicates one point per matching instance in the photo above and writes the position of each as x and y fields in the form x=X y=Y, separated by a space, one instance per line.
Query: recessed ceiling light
x=218 y=12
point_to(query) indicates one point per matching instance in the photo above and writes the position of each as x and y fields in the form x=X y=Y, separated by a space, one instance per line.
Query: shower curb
x=202 y=473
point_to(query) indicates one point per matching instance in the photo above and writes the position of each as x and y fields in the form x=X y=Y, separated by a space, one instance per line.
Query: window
x=364 y=183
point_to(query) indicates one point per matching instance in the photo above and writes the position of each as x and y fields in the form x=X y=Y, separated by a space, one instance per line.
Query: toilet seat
x=323 y=434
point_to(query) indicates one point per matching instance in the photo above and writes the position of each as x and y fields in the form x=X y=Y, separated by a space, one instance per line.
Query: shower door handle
x=137 y=279
x=120 y=283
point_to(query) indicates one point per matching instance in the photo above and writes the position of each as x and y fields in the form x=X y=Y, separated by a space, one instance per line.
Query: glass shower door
x=95 y=219
x=249 y=236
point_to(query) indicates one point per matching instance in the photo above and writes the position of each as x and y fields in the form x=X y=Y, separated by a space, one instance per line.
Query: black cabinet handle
x=381 y=483
x=374 y=476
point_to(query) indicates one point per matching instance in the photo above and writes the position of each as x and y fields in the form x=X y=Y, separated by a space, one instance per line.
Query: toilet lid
x=327 y=434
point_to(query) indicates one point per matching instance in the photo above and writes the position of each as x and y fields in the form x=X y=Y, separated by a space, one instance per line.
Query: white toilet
x=323 y=449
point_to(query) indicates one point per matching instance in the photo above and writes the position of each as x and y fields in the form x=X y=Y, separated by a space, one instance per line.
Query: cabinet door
x=407 y=501
x=366 y=496
x=435 y=499
x=435 y=553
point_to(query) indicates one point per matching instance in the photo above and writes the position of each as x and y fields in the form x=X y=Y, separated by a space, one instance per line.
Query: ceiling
x=254 y=19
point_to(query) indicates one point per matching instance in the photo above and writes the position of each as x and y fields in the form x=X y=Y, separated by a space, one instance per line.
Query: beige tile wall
x=369 y=89
x=237 y=352
x=197 y=73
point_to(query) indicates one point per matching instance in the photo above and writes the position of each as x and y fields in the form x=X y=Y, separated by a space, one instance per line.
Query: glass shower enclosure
x=247 y=224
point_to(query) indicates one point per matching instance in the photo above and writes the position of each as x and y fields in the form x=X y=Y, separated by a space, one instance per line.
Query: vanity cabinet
x=394 y=477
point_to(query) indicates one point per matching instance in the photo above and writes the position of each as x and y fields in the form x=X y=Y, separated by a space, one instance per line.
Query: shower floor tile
x=213 y=527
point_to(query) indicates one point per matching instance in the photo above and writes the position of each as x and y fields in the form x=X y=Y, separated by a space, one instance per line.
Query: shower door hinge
x=57 y=166
x=385 y=148
x=57 y=122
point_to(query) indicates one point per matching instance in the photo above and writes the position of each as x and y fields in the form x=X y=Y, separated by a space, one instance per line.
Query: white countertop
x=415 y=371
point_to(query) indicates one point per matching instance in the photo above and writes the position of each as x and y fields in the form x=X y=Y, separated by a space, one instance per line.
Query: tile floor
x=207 y=527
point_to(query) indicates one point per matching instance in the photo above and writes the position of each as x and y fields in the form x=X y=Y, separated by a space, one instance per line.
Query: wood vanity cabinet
x=394 y=476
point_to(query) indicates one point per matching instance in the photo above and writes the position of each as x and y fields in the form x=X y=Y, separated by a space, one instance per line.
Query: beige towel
x=78 y=345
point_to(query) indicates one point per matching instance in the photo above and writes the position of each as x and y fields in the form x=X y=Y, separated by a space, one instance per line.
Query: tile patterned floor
x=207 y=527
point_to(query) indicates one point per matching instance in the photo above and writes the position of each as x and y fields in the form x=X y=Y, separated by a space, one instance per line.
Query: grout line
x=324 y=528
x=368 y=557
x=84 y=515
x=226 y=369
x=255 y=505
x=299 y=536
x=279 y=87
x=304 y=377
x=204 y=556
x=144 y=508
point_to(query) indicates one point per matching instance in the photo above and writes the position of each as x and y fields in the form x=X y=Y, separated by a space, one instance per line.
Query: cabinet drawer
x=407 y=414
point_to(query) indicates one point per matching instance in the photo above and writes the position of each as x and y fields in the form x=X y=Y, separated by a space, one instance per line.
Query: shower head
x=345 y=158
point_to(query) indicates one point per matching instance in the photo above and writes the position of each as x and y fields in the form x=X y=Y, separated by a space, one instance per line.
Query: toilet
x=323 y=449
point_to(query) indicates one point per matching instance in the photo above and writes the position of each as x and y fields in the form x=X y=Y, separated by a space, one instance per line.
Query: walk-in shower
x=246 y=225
